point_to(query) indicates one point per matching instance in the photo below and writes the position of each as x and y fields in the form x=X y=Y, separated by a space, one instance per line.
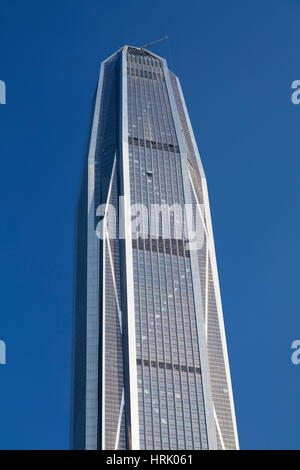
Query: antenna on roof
x=154 y=42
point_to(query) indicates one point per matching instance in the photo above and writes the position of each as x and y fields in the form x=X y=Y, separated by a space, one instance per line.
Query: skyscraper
x=150 y=364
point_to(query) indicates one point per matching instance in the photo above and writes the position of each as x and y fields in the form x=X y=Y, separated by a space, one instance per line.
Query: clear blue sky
x=236 y=62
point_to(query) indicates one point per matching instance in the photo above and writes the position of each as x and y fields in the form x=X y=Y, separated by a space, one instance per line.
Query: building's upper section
x=139 y=55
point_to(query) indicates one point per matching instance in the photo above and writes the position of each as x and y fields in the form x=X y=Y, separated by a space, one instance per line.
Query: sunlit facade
x=150 y=365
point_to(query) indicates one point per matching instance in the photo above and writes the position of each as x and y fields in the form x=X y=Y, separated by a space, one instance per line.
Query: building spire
x=154 y=42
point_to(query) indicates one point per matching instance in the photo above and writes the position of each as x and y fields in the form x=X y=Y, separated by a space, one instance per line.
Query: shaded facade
x=150 y=365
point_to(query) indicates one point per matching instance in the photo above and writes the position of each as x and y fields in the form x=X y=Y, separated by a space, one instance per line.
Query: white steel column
x=134 y=438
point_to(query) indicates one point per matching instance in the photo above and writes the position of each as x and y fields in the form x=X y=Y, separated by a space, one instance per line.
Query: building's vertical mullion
x=143 y=82
x=141 y=265
x=156 y=137
x=146 y=82
x=145 y=330
x=133 y=81
x=129 y=332
x=103 y=395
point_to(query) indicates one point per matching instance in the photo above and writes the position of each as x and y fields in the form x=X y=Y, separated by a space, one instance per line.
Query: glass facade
x=159 y=375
